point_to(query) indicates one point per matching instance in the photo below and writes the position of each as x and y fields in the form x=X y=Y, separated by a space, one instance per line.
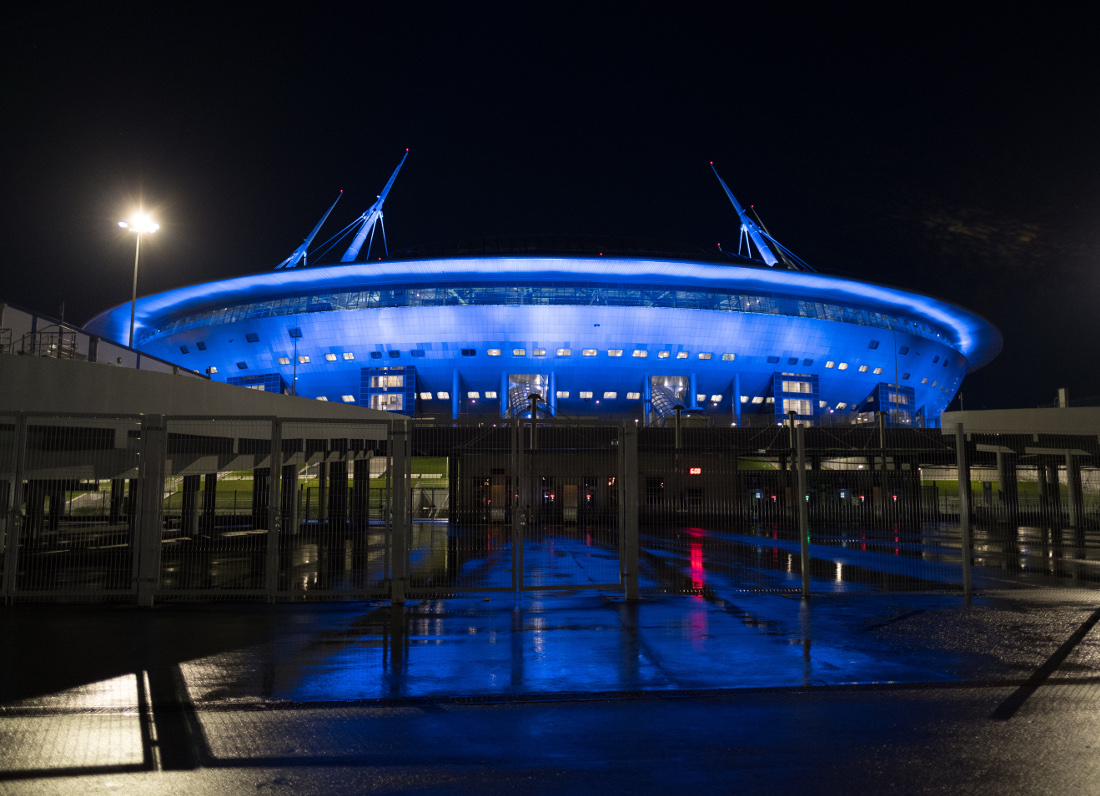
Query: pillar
x=338 y=496
x=189 y=519
x=360 y=492
x=260 y=486
x=289 y=499
x=209 y=503
x=1008 y=494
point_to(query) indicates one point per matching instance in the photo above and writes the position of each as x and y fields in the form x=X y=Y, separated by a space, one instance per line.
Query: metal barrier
x=149 y=508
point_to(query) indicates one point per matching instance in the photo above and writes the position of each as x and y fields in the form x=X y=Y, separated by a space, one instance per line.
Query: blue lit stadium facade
x=618 y=337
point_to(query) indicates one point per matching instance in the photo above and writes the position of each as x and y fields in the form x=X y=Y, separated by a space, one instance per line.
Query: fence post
x=400 y=525
x=514 y=499
x=963 y=467
x=803 y=512
x=148 y=525
x=274 y=509
x=628 y=509
x=13 y=532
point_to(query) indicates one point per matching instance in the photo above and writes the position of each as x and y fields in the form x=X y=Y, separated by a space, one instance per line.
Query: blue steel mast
x=299 y=255
x=748 y=226
x=369 y=219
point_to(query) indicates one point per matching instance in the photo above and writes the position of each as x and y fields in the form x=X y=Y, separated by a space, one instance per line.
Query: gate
x=529 y=506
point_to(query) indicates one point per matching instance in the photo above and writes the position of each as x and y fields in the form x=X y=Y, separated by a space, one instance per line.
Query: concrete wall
x=39 y=384
x=1043 y=420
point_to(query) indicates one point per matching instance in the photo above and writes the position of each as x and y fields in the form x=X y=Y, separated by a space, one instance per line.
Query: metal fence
x=148 y=508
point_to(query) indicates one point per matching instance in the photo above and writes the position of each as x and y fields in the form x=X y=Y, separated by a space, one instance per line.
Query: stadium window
x=640 y=353
x=330 y=357
x=744 y=399
x=211 y=369
x=830 y=364
x=700 y=397
x=769 y=400
x=633 y=396
x=295 y=332
x=662 y=355
x=705 y=355
x=394 y=354
x=822 y=404
x=842 y=366
x=862 y=368
x=563 y=393
x=615 y=352
x=490 y=393
x=729 y=357
x=842 y=405
x=773 y=360
x=244 y=366
x=807 y=362
x=873 y=344
x=200 y=345
x=565 y=352
x=933 y=384
x=903 y=350
x=322 y=398
x=924 y=380
x=519 y=352
x=716 y=398
x=284 y=360
x=303 y=359
x=375 y=354
x=443 y=396
x=935 y=360
x=252 y=337
x=945 y=363
x=681 y=354
x=877 y=371
x=425 y=396
x=905 y=376
x=610 y=396
x=792 y=360
x=349 y=399
x=538 y=352
x=417 y=352
x=757 y=399
x=469 y=352
x=584 y=395
x=473 y=394
x=493 y=352
x=588 y=352
x=349 y=355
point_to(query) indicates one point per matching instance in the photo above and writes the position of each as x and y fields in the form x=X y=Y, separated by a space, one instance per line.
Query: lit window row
x=639 y=353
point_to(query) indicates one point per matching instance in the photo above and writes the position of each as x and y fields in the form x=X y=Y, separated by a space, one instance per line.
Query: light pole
x=142 y=225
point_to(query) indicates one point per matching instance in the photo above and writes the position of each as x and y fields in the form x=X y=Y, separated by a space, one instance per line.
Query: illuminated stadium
x=593 y=328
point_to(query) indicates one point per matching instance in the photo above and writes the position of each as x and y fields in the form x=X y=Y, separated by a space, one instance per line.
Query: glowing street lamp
x=142 y=225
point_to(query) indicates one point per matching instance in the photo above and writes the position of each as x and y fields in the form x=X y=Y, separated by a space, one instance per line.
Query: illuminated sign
x=695 y=471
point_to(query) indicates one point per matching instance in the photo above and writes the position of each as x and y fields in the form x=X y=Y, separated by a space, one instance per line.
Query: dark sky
x=956 y=155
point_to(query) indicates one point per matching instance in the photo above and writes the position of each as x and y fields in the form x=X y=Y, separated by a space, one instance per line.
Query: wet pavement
x=557 y=691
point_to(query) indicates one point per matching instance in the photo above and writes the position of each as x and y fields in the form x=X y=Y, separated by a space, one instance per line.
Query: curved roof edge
x=977 y=339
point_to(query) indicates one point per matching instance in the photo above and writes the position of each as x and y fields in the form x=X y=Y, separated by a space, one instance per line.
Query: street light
x=142 y=225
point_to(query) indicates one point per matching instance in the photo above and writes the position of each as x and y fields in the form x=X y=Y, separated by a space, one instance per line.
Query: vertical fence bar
x=274 y=510
x=964 y=504
x=628 y=509
x=148 y=526
x=400 y=512
x=15 y=514
x=803 y=511
x=515 y=498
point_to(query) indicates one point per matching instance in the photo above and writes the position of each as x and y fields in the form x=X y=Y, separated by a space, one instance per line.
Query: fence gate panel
x=71 y=531
x=567 y=505
x=462 y=501
x=334 y=504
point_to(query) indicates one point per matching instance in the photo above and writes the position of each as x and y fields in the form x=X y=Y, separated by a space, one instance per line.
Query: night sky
x=954 y=155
